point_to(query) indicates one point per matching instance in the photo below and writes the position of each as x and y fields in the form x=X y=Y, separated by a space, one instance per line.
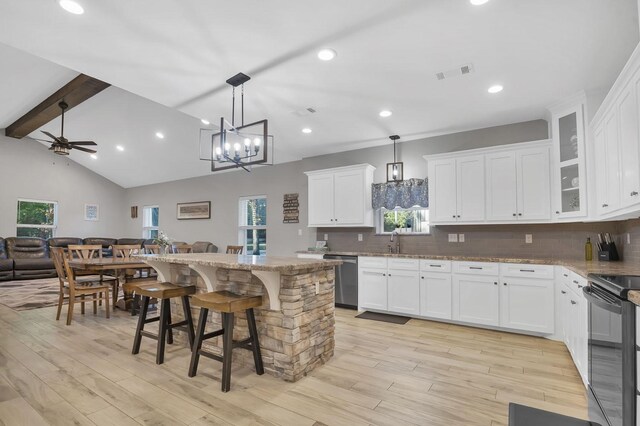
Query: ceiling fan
x=61 y=145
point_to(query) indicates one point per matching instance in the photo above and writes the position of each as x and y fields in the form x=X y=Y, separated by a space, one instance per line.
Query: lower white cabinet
x=575 y=319
x=372 y=288
x=403 y=289
x=435 y=295
x=475 y=299
x=527 y=304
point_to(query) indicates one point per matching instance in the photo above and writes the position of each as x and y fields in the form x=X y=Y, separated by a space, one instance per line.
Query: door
x=442 y=190
x=470 y=189
x=435 y=295
x=501 y=186
x=349 y=197
x=527 y=304
x=534 y=193
x=476 y=299
x=601 y=170
x=612 y=154
x=629 y=155
x=372 y=289
x=321 y=200
x=569 y=185
x=403 y=292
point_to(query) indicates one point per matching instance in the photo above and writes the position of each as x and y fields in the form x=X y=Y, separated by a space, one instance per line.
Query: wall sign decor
x=290 y=208
x=194 y=210
x=134 y=212
x=91 y=212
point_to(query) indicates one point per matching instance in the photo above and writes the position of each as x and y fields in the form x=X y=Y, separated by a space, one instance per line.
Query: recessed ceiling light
x=159 y=135
x=307 y=130
x=478 y=2
x=495 y=88
x=71 y=7
x=385 y=113
x=205 y=122
x=326 y=54
x=94 y=156
x=120 y=147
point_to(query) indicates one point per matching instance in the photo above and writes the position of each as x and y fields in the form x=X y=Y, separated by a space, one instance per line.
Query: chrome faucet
x=397 y=240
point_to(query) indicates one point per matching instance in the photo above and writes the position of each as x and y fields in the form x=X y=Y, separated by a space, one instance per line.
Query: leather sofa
x=30 y=257
x=6 y=264
x=63 y=242
x=106 y=244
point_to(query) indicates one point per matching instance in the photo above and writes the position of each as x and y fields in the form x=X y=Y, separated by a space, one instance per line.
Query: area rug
x=23 y=295
x=394 y=319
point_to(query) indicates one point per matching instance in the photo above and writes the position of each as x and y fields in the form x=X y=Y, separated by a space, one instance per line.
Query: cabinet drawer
x=565 y=276
x=638 y=335
x=427 y=265
x=372 y=262
x=477 y=268
x=522 y=270
x=577 y=283
x=400 y=263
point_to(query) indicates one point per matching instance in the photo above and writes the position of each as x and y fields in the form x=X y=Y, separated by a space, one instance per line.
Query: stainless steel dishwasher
x=346 y=281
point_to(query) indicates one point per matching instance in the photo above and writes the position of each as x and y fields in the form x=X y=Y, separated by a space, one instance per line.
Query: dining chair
x=74 y=289
x=235 y=249
x=183 y=248
x=152 y=248
x=94 y=251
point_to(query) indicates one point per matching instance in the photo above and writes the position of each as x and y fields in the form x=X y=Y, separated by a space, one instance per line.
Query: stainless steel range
x=612 y=349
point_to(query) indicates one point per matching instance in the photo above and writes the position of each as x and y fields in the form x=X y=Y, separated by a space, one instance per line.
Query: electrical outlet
x=453 y=238
x=528 y=238
x=299 y=232
x=628 y=238
x=359 y=237
x=317 y=287
x=326 y=237
x=461 y=238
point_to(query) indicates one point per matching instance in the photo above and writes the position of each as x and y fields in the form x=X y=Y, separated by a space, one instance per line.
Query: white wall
x=29 y=170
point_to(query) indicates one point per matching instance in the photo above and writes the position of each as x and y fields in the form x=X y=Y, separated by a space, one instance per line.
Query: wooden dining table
x=118 y=264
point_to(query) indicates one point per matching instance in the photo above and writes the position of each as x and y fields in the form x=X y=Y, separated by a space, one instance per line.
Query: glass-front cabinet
x=569 y=189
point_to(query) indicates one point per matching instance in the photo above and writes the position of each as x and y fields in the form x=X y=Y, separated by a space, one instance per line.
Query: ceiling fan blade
x=79 y=148
x=55 y=138
x=83 y=143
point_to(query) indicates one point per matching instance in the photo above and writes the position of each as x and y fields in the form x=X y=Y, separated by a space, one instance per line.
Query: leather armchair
x=106 y=244
x=30 y=258
x=6 y=265
x=204 y=247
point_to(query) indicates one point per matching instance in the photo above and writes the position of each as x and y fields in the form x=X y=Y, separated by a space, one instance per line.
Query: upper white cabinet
x=568 y=135
x=341 y=197
x=501 y=184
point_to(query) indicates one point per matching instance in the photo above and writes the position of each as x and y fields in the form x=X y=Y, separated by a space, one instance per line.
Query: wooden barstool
x=163 y=292
x=227 y=304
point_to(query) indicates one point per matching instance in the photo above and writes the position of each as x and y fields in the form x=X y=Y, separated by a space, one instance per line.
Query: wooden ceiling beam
x=73 y=93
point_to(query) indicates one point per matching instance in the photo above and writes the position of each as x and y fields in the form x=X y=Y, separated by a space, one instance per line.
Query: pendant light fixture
x=395 y=170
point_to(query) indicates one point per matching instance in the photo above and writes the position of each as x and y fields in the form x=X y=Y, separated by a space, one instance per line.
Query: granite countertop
x=580 y=267
x=242 y=262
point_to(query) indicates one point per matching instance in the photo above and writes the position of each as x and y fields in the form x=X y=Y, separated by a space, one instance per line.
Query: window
x=37 y=218
x=150 y=221
x=411 y=221
x=252 y=225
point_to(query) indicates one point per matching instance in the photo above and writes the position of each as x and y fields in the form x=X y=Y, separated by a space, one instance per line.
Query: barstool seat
x=227 y=304
x=163 y=291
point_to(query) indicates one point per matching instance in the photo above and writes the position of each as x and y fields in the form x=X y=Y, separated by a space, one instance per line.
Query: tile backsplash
x=565 y=240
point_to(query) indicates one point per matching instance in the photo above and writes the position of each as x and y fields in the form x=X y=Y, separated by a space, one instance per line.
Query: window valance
x=405 y=194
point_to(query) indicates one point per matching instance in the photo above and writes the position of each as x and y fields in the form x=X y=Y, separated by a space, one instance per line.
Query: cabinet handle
x=557 y=212
x=514 y=214
x=422 y=278
x=384 y=275
x=495 y=283
x=475 y=267
x=579 y=286
x=504 y=283
x=331 y=220
x=435 y=266
x=605 y=205
x=566 y=276
x=336 y=220
x=634 y=193
x=527 y=270
x=458 y=216
x=573 y=302
x=563 y=292
x=454 y=216
x=575 y=282
x=519 y=214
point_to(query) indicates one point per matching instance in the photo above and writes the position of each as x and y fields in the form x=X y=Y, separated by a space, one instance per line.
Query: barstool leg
x=197 y=344
x=167 y=303
x=186 y=307
x=143 y=316
x=162 y=332
x=255 y=344
x=227 y=350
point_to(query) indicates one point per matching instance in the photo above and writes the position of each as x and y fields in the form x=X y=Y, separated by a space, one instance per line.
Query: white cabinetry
x=456 y=189
x=404 y=291
x=475 y=299
x=442 y=191
x=435 y=289
x=341 y=197
x=372 y=288
x=575 y=320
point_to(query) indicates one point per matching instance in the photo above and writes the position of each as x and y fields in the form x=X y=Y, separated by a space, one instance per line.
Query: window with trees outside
x=150 y=222
x=405 y=221
x=37 y=218
x=252 y=225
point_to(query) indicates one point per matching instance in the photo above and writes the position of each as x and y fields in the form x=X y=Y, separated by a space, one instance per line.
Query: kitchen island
x=296 y=320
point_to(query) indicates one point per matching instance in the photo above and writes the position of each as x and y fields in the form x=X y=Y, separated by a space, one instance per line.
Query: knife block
x=608 y=253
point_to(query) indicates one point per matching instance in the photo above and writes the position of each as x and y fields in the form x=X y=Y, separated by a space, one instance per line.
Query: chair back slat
x=85 y=251
x=58 y=255
x=183 y=248
x=125 y=251
x=152 y=248
x=234 y=249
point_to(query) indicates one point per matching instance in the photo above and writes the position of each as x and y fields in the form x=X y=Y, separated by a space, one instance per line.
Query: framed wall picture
x=91 y=212
x=194 y=210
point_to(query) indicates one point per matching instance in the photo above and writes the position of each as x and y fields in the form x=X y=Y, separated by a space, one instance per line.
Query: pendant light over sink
x=395 y=170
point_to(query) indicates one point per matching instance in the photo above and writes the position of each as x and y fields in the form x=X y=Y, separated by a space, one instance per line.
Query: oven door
x=611 y=355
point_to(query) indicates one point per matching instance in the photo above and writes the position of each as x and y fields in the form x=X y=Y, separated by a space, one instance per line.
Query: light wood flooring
x=421 y=373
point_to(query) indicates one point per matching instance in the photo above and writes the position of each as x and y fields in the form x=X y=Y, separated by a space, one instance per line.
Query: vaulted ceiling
x=169 y=60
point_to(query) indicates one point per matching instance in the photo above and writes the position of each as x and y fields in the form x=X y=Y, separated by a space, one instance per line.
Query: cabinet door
x=476 y=299
x=372 y=289
x=321 y=200
x=442 y=190
x=534 y=197
x=403 y=291
x=612 y=157
x=581 y=324
x=527 y=304
x=435 y=295
x=501 y=186
x=349 y=197
x=470 y=189
x=629 y=141
x=601 y=170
